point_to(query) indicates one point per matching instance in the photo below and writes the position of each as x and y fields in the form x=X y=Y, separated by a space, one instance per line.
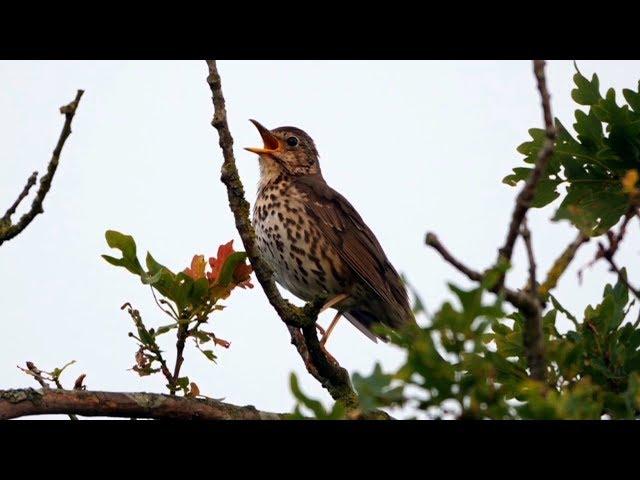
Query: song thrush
x=316 y=242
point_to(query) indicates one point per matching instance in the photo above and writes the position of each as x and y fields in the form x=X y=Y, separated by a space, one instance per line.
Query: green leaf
x=209 y=354
x=314 y=405
x=166 y=328
x=183 y=384
x=586 y=92
x=593 y=165
x=545 y=192
x=127 y=245
x=375 y=391
x=593 y=207
x=632 y=98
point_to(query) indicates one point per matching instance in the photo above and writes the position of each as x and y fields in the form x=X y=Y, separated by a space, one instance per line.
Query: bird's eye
x=292 y=141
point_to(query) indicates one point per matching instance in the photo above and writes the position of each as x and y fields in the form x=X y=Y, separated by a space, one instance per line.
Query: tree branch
x=526 y=237
x=9 y=230
x=608 y=256
x=518 y=299
x=317 y=360
x=26 y=401
x=31 y=181
x=609 y=252
x=526 y=195
x=528 y=301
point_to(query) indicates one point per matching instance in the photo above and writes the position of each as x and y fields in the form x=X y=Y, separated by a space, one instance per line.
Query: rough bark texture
x=317 y=360
x=26 y=401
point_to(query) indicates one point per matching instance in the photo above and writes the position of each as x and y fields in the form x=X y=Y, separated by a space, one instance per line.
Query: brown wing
x=343 y=227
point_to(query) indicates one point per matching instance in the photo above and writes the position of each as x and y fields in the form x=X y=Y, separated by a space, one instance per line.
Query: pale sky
x=414 y=145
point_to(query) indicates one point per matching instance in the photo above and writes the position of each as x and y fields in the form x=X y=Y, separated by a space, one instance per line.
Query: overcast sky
x=415 y=146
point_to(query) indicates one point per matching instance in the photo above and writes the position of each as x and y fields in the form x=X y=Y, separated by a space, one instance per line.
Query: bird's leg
x=333 y=324
x=320 y=329
x=333 y=301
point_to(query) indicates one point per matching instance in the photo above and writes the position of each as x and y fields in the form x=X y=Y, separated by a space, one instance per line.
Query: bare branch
x=39 y=375
x=526 y=301
x=9 y=230
x=27 y=401
x=525 y=197
x=526 y=237
x=330 y=374
x=36 y=373
x=517 y=299
x=614 y=267
x=608 y=253
x=31 y=181
x=183 y=330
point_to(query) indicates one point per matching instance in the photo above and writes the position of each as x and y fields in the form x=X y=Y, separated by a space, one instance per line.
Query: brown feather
x=358 y=247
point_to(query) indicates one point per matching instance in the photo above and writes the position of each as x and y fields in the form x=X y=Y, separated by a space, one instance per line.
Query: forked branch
x=9 y=230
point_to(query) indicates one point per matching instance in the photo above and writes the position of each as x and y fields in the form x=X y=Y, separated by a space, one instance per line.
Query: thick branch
x=9 y=230
x=328 y=372
x=27 y=401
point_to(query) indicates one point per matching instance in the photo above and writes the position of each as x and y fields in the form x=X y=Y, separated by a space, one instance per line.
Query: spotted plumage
x=316 y=242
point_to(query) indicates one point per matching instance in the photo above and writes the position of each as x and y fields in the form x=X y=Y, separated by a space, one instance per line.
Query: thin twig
x=517 y=299
x=9 y=230
x=561 y=264
x=152 y=347
x=526 y=195
x=526 y=237
x=38 y=374
x=180 y=342
x=614 y=267
x=608 y=253
x=6 y=219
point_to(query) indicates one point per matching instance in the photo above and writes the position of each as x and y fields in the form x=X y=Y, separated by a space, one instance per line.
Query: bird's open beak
x=271 y=143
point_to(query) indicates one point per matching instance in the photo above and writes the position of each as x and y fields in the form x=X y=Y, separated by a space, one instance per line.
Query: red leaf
x=197 y=267
x=217 y=263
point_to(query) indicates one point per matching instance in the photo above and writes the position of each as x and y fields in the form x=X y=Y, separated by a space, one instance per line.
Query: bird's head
x=286 y=149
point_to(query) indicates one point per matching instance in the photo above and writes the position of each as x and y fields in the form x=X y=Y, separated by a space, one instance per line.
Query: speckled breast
x=303 y=261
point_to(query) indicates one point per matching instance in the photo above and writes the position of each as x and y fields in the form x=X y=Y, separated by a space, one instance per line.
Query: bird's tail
x=363 y=321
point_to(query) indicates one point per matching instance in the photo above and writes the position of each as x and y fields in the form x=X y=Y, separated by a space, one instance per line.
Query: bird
x=315 y=241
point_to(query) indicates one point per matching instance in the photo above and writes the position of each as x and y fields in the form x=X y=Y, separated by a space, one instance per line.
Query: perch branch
x=317 y=360
x=23 y=402
x=9 y=230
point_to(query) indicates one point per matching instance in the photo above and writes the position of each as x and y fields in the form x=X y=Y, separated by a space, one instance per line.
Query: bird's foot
x=335 y=300
x=333 y=324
